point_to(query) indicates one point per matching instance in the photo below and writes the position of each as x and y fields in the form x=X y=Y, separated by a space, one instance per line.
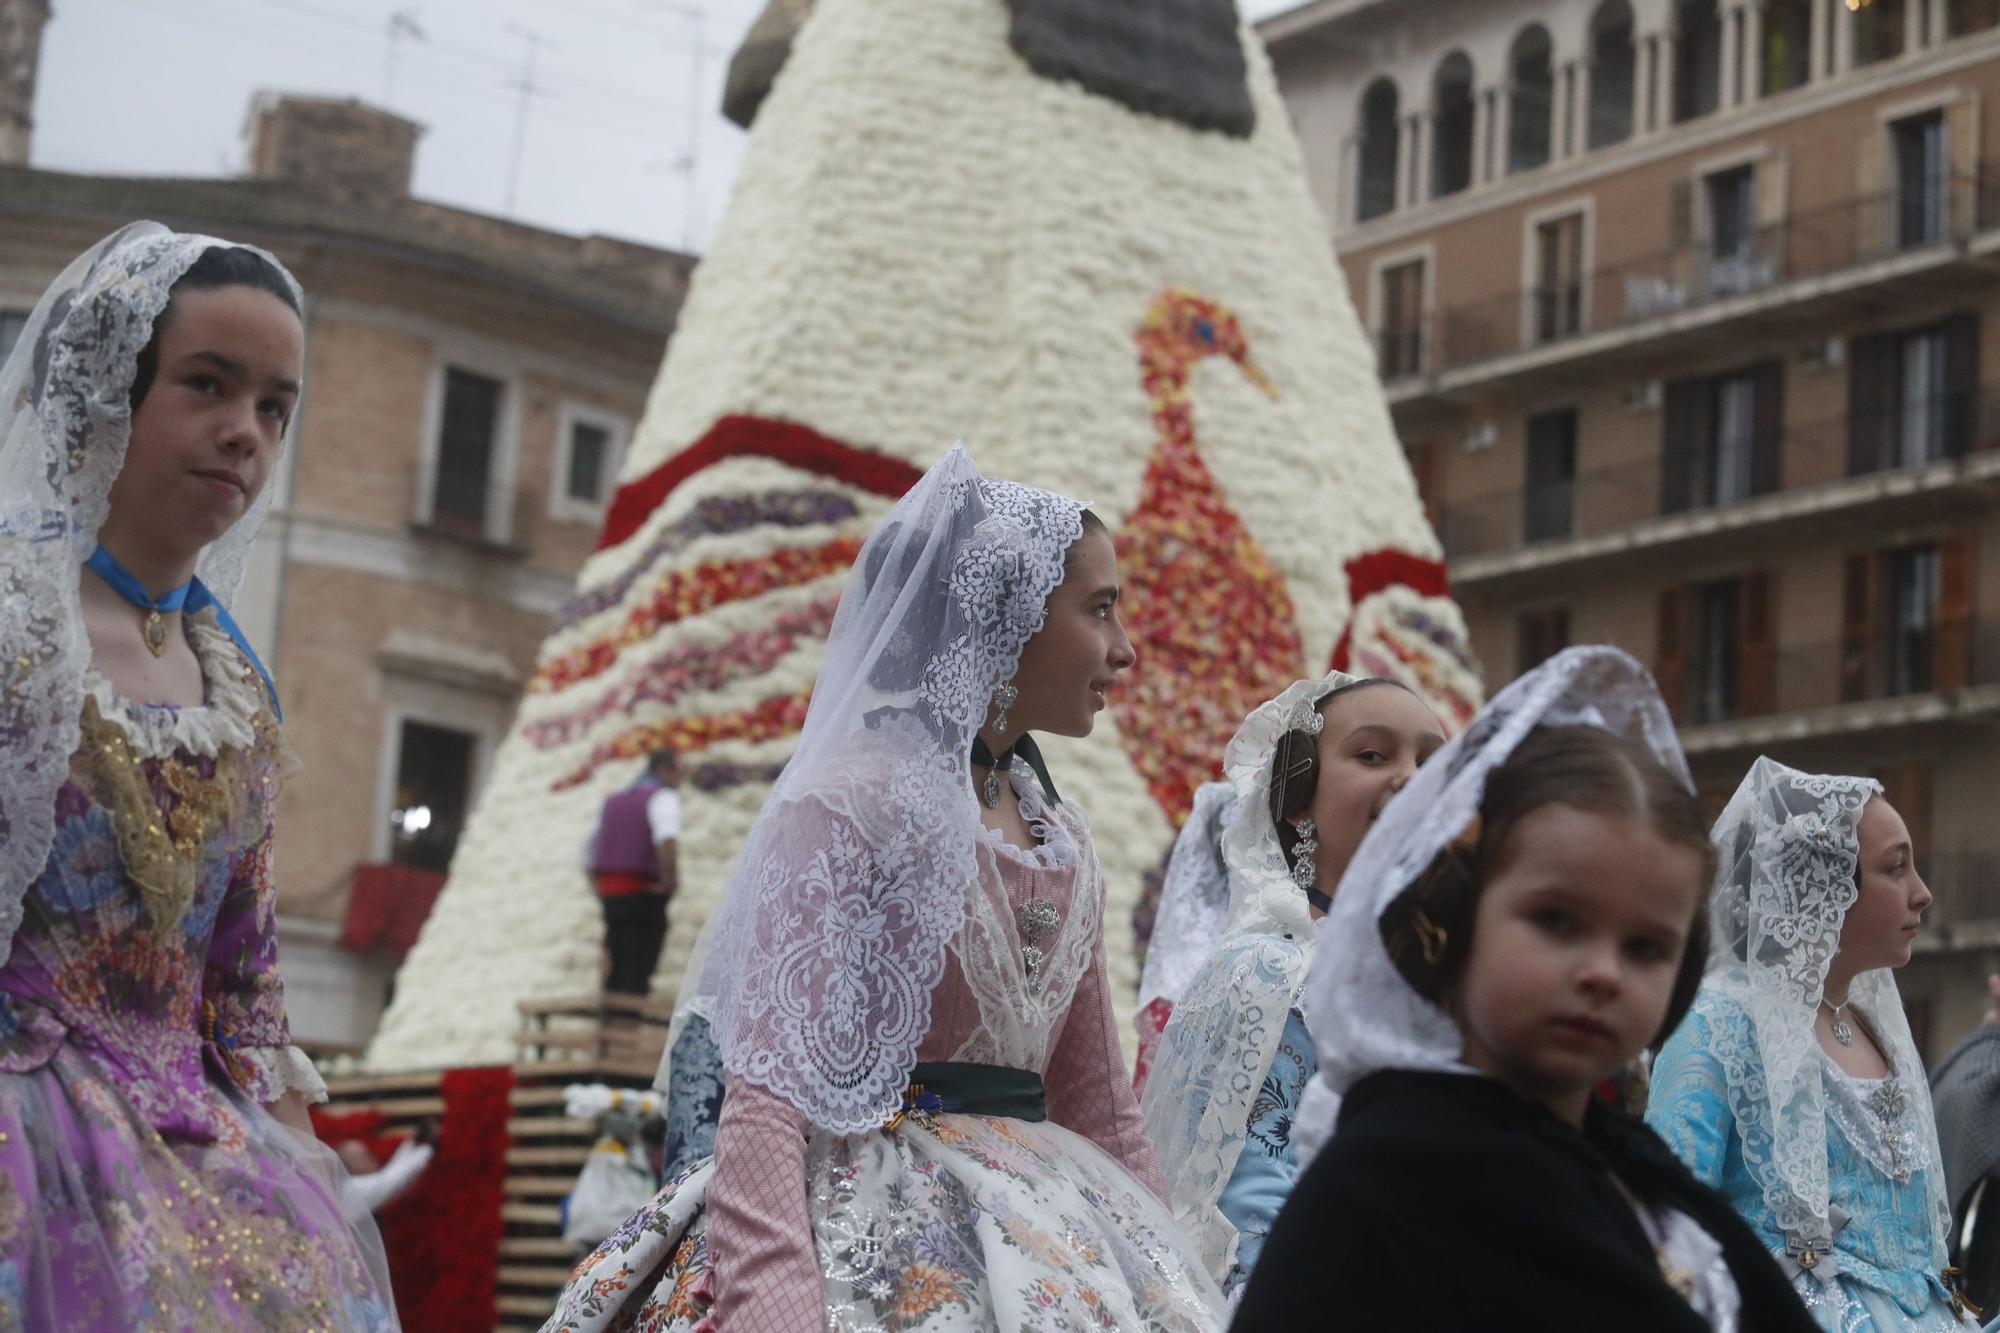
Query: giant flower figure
x=1091 y=253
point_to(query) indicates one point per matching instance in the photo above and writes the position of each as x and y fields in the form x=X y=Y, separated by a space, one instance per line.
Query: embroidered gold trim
x=162 y=851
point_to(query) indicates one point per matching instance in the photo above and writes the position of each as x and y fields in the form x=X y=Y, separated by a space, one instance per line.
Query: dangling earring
x=1003 y=699
x=1305 y=873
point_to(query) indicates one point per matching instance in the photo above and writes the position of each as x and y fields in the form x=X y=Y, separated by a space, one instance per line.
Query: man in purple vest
x=632 y=862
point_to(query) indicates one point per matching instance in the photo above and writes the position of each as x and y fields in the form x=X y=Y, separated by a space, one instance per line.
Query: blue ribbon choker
x=188 y=598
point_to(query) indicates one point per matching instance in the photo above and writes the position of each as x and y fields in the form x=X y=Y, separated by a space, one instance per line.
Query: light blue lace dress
x=1883 y=1275
x=1267 y=1168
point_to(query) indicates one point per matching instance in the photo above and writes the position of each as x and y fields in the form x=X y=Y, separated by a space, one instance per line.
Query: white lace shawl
x=65 y=419
x=1194 y=898
x=1791 y=846
x=1362 y=1014
x=1225 y=1029
x=864 y=864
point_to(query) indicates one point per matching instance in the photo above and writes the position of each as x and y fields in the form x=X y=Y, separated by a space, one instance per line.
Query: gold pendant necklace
x=153 y=629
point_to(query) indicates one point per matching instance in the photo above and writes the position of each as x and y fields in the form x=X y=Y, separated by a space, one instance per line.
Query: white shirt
x=663 y=815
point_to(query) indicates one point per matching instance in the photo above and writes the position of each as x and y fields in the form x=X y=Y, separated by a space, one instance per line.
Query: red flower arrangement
x=443 y=1236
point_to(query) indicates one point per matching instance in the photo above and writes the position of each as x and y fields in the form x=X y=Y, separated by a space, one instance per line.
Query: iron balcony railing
x=1721 y=683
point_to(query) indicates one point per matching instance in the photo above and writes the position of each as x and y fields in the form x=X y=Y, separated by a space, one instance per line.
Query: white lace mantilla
x=283 y=1069
x=234 y=695
x=866 y=863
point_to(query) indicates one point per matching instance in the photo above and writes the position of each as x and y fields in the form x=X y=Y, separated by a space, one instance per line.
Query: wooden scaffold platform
x=611 y=1039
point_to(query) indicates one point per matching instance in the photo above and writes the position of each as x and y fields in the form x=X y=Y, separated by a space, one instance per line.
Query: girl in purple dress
x=157 y=1168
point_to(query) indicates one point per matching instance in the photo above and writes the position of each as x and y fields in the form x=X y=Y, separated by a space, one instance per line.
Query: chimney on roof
x=342 y=148
x=21 y=23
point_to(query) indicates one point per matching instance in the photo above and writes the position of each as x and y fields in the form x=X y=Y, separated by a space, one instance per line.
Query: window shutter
x=1682 y=426
x=1670 y=658
x=1857 y=627
x=1961 y=147
x=1756 y=645
x=1774 y=183
x=1908 y=787
x=1680 y=233
x=1768 y=448
x=1961 y=383
x=1871 y=401
x=1875 y=214
x=1954 y=613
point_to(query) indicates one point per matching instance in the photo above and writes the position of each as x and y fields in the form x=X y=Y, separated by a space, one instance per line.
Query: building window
x=1538 y=636
x=1722 y=438
x=1736 y=261
x=1923 y=179
x=468 y=437
x=1402 y=338
x=1787 y=54
x=1375 y=185
x=1549 y=499
x=1969 y=16
x=1713 y=674
x=1697 y=59
x=1913 y=396
x=12 y=324
x=1879 y=26
x=1531 y=103
x=1613 y=74
x=1906 y=620
x=1716 y=656
x=1909 y=619
x=588 y=449
x=1558 y=278
x=1451 y=128
x=433 y=792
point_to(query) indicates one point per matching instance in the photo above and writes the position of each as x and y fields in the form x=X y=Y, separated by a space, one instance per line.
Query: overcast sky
x=619 y=136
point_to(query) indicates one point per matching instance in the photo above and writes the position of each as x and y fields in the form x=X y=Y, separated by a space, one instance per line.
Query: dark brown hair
x=1295 y=767
x=1091 y=523
x=1583 y=767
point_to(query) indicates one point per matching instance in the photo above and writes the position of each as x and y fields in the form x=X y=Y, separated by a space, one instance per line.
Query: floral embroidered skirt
x=107 y=1224
x=984 y=1223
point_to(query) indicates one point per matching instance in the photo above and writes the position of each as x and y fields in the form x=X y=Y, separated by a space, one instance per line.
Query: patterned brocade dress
x=142 y=1030
x=952 y=1221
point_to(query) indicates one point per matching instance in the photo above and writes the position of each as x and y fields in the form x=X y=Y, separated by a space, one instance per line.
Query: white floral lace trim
x=285 y=1069
x=234 y=694
x=1054 y=849
x=1885 y=1137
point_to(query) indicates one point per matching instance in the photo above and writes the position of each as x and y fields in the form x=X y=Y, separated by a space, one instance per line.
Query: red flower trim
x=761 y=437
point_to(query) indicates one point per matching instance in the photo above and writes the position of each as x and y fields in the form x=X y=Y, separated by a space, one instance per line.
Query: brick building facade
x=470 y=385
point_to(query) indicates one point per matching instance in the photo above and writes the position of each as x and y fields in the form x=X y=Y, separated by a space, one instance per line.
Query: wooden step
x=539 y=1187
x=550 y=1127
x=539 y=1214
x=396 y=1108
x=533 y=1307
x=536 y=1247
x=571 y=1155
x=549 y=1277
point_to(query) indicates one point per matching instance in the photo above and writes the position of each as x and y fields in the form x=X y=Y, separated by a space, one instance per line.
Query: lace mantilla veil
x=863 y=865
x=1363 y=1015
x=65 y=420
x=1194 y=898
x=1225 y=1029
x=1790 y=845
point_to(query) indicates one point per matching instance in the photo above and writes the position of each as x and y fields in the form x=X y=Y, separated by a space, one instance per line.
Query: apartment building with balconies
x=1689 y=315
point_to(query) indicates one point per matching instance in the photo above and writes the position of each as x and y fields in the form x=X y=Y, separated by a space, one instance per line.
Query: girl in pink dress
x=927 y=1122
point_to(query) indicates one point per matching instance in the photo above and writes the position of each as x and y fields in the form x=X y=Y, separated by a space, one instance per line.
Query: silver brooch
x=1036 y=919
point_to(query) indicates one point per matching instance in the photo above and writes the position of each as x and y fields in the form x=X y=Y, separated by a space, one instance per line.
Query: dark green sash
x=955 y=1086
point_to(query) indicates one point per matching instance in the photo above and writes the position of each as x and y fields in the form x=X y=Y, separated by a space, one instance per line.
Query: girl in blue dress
x=1794 y=1085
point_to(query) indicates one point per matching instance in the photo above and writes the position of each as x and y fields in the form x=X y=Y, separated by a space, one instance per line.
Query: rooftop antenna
x=402 y=23
x=526 y=84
